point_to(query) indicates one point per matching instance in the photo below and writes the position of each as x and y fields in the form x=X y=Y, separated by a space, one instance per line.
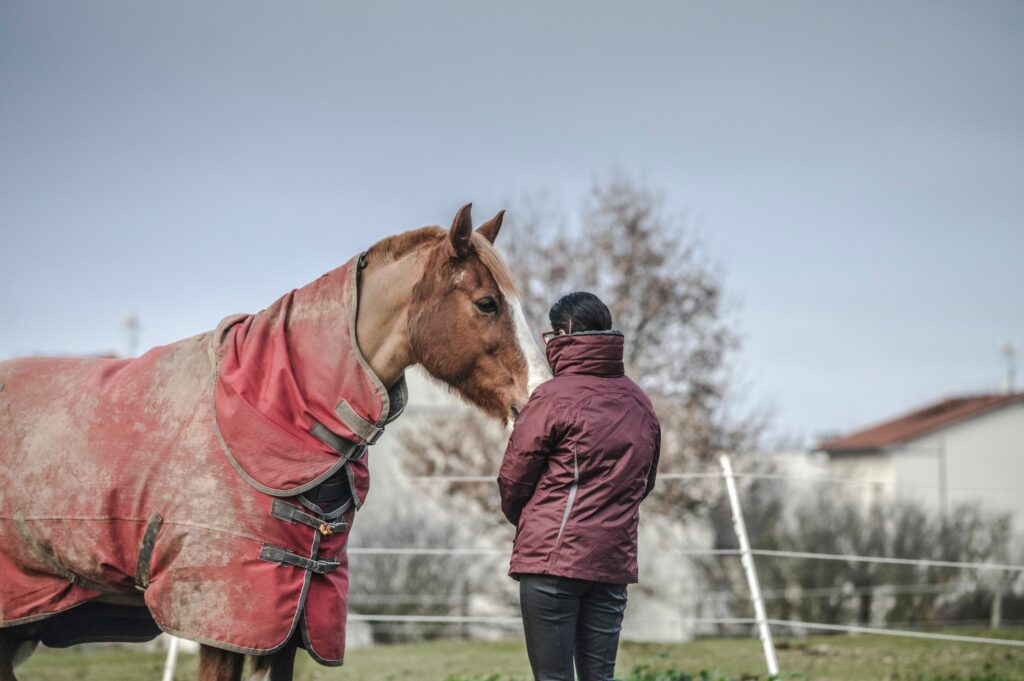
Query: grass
x=817 y=658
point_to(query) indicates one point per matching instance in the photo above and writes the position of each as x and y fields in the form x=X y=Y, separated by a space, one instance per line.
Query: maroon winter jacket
x=582 y=456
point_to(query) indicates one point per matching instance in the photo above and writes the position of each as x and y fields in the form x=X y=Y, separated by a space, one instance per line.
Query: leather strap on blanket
x=357 y=424
x=146 y=551
x=293 y=514
x=275 y=554
x=345 y=448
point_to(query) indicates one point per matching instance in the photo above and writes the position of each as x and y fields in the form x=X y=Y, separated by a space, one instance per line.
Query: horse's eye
x=487 y=305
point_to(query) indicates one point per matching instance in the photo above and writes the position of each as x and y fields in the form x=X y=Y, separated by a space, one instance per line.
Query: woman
x=581 y=458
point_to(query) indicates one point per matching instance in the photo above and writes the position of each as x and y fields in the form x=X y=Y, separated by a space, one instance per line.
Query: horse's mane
x=398 y=246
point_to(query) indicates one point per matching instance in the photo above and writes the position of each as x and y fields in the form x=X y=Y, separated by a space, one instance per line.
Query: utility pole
x=1010 y=353
x=130 y=325
x=943 y=493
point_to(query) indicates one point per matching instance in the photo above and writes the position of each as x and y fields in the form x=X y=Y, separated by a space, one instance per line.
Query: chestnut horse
x=442 y=299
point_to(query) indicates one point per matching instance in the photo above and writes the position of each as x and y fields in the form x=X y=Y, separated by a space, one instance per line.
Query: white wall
x=984 y=462
x=984 y=459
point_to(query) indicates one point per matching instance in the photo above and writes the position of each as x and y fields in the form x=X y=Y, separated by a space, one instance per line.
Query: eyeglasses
x=548 y=335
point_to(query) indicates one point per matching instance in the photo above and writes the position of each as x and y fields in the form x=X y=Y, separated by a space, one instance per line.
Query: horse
x=207 y=488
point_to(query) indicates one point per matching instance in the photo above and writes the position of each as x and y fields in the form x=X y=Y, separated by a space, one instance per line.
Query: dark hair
x=580 y=311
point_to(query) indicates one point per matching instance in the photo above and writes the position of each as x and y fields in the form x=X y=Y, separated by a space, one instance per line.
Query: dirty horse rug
x=216 y=478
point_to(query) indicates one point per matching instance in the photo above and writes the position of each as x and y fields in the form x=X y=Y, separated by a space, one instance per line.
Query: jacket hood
x=597 y=353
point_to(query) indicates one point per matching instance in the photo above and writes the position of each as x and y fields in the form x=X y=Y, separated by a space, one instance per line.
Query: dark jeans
x=571 y=618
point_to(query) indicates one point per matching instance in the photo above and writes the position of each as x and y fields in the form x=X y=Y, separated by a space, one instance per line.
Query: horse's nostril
x=515 y=410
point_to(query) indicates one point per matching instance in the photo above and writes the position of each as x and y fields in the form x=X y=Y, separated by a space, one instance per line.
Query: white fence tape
x=921 y=562
x=896 y=632
x=437 y=619
x=755 y=475
x=810 y=555
x=384 y=551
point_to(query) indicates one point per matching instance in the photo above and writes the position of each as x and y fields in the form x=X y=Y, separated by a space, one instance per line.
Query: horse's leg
x=278 y=666
x=282 y=663
x=16 y=646
x=219 y=665
x=260 y=668
x=8 y=647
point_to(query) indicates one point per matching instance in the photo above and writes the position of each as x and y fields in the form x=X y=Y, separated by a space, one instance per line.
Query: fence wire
x=767 y=553
x=754 y=475
x=808 y=555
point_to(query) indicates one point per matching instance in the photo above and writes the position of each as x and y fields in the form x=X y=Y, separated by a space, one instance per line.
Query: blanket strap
x=51 y=561
x=346 y=449
x=284 y=511
x=370 y=432
x=142 y=568
x=275 y=554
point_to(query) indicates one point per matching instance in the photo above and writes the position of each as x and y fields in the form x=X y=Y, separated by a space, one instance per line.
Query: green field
x=821 y=658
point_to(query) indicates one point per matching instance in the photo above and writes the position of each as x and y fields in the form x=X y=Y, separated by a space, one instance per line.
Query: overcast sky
x=857 y=168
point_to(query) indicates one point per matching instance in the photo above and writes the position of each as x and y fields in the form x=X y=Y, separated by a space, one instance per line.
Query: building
x=961 y=449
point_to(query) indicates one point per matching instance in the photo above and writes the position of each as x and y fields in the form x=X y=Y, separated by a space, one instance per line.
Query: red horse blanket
x=185 y=475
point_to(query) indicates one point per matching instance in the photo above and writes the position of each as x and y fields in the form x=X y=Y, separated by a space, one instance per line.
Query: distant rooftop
x=919 y=422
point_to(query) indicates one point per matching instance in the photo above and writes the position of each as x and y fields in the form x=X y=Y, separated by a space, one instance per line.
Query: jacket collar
x=596 y=353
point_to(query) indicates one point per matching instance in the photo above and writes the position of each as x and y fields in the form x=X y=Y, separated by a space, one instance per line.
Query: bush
x=865 y=593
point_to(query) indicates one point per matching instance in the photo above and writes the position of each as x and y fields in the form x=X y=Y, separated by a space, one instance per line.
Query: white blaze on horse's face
x=536 y=363
x=537 y=370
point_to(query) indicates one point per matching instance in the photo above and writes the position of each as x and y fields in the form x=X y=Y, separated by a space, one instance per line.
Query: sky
x=856 y=169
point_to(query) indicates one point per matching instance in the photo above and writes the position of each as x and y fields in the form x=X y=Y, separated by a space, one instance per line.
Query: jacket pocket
x=572 y=496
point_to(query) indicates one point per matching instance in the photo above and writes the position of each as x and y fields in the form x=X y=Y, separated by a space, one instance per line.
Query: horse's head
x=466 y=327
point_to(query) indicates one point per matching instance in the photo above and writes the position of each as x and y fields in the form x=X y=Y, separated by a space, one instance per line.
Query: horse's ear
x=460 y=233
x=491 y=228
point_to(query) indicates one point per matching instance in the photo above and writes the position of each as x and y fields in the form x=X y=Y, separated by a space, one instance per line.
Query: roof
x=920 y=422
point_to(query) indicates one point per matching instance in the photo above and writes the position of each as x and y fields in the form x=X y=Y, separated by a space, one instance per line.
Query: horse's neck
x=382 y=328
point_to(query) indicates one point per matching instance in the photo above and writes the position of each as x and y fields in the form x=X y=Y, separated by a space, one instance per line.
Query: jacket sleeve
x=652 y=474
x=534 y=435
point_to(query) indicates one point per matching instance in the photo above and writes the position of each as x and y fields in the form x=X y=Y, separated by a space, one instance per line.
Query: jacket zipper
x=572 y=495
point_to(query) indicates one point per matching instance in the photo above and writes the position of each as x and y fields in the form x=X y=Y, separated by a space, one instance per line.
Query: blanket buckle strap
x=142 y=564
x=275 y=554
x=369 y=432
x=282 y=510
x=346 y=449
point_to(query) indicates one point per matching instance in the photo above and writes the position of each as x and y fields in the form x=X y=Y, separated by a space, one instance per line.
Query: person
x=582 y=456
